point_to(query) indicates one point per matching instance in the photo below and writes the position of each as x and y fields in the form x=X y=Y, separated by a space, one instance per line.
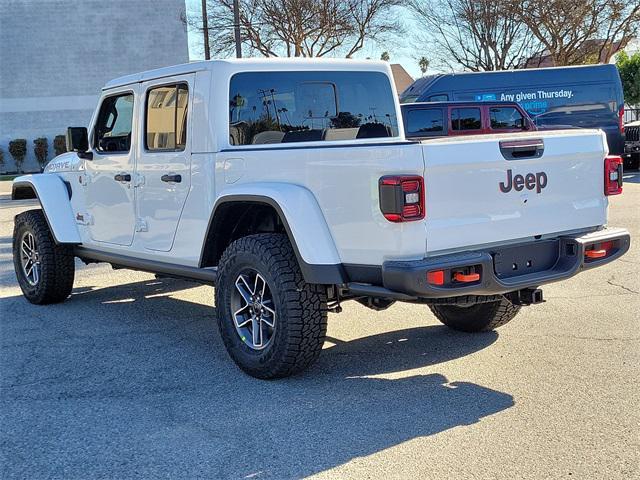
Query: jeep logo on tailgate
x=530 y=180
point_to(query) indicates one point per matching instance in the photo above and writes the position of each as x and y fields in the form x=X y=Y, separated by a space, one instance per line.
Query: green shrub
x=18 y=150
x=629 y=68
x=41 y=150
x=60 y=144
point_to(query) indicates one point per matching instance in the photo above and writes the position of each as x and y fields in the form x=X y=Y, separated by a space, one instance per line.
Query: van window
x=287 y=107
x=166 y=118
x=594 y=115
x=465 y=119
x=439 y=98
x=425 y=121
x=506 y=118
x=113 y=126
x=409 y=98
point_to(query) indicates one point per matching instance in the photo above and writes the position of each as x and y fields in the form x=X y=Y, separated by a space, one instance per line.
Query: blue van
x=560 y=97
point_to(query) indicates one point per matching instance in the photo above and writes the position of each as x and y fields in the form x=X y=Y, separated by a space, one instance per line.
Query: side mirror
x=78 y=141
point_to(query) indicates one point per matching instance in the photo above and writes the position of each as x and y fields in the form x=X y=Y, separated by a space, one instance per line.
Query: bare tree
x=475 y=34
x=298 y=28
x=574 y=32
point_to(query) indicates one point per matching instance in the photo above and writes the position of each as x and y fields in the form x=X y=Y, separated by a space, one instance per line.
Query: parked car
x=632 y=145
x=290 y=186
x=441 y=119
x=560 y=97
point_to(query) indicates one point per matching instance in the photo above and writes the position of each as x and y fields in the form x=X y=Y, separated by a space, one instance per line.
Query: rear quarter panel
x=344 y=181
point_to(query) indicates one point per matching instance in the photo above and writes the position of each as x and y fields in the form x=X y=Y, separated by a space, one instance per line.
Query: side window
x=465 y=119
x=443 y=97
x=427 y=121
x=113 y=127
x=288 y=107
x=506 y=118
x=166 y=118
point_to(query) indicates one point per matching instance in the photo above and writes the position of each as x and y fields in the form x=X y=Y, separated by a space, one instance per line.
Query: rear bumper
x=504 y=269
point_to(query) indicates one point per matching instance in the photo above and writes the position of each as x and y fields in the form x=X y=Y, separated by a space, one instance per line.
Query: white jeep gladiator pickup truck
x=290 y=185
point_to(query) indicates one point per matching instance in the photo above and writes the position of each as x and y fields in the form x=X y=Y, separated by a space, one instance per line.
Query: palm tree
x=423 y=63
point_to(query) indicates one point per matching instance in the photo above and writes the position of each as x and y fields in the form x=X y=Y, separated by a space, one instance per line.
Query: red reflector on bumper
x=436 y=277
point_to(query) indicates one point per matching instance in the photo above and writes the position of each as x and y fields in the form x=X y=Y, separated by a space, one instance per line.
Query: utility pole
x=205 y=30
x=236 y=27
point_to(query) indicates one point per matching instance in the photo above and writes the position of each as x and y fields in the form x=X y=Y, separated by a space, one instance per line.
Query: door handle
x=515 y=149
x=173 y=178
x=122 y=177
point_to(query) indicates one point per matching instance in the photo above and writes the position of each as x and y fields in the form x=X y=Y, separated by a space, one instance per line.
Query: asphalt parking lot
x=129 y=379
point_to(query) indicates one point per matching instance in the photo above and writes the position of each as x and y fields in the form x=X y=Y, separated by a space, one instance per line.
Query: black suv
x=632 y=145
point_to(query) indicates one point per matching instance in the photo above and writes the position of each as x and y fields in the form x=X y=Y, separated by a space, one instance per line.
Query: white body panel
x=109 y=204
x=54 y=198
x=344 y=182
x=328 y=191
x=465 y=206
x=302 y=214
x=160 y=203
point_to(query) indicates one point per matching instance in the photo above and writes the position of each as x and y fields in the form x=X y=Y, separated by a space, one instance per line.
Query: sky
x=405 y=56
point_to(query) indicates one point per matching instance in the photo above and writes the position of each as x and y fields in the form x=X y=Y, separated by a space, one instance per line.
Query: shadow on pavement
x=126 y=381
x=632 y=176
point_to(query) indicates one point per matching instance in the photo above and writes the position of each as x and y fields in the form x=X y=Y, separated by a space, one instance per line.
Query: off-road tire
x=481 y=317
x=301 y=308
x=57 y=267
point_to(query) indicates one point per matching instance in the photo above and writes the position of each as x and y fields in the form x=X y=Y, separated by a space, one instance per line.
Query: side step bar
x=202 y=275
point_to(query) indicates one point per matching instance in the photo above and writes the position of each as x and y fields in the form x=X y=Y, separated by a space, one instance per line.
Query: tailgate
x=539 y=183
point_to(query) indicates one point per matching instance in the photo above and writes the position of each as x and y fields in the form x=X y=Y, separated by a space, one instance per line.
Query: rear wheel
x=45 y=270
x=272 y=322
x=481 y=317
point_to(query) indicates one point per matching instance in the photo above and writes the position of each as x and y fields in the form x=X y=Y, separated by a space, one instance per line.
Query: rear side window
x=166 y=118
x=113 y=126
x=465 y=119
x=506 y=118
x=425 y=121
x=288 y=107
x=443 y=97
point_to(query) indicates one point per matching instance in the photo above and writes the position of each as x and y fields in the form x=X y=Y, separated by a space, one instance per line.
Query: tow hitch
x=527 y=296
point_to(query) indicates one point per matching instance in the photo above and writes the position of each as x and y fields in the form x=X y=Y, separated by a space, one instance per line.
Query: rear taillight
x=621 y=119
x=402 y=198
x=613 y=175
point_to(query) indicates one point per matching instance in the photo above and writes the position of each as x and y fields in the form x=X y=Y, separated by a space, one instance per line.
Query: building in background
x=55 y=55
x=401 y=77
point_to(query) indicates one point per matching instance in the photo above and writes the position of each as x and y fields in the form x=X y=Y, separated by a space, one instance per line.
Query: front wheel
x=271 y=321
x=481 y=317
x=45 y=270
